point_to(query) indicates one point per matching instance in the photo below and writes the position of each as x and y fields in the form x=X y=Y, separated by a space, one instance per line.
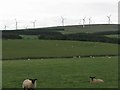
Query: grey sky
x=49 y=12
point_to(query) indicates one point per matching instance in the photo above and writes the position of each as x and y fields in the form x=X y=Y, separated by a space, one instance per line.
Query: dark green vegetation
x=10 y=36
x=95 y=33
x=80 y=37
x=62 y=73
x=20 y=49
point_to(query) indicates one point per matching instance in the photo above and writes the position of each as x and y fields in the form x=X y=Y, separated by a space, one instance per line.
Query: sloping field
x=13 y=49
x=89 y=28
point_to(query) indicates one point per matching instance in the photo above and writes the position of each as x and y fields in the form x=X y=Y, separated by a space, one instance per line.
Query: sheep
x=109 y=57
x=78 y=56
x=29 y=84
x=28 y=59
x=94 y=80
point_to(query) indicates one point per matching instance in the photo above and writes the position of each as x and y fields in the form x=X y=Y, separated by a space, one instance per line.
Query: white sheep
x=29 y=84
x=94 y=80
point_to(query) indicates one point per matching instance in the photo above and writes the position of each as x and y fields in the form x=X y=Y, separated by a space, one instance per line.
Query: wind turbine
x=80 y=21
x=83 y=22
x=16 y=24
x=34 y=22
x=26 y=27
x=90 y=20
x=5 y=27
x=109 y=19
x=62 y=20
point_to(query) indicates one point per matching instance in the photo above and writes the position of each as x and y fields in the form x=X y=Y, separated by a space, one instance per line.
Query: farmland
x=54 y=48
x=94 y=33
x=62 y=73
x=0 y=62
x=59 y=72
x=0 y=73
x=61 y=57
x=89 y=28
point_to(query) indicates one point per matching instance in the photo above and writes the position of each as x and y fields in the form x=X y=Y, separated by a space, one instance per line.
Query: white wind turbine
x=83 y=22
x=5 y=27
x=34 y=23
x=16 y=24
x=80 y=21
x=63 y=20
x=90 y=20
x=109 y=19
x=26 y=27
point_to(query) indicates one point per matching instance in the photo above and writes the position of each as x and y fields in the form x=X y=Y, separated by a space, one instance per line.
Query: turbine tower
x=90 y=20
x=26 y=27
x=62 y=21
x=109 y=19
x=16 y=24
x=34 y=22
x=80 y=21
x=83 y=22
x=5 y=27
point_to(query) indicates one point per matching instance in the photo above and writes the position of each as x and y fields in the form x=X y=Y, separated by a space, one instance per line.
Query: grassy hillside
x=69 y=29
x=88 y=28
x=55 y=48
x=0 y=74
x=93 y=32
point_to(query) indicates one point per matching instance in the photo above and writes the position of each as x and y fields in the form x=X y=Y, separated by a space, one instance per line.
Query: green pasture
x=112 y=36
x=29 y=36
x=55 y=48
x=89 y=28
x=0 y=63
x=0 y=74
x=59 y=72
x=62 y=73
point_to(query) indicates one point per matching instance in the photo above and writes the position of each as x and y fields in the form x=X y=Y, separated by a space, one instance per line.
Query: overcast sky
x=48 y=12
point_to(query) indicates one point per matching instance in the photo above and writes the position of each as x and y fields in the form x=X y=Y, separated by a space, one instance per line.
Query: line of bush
x=36 y=31
x=79 y=37
x=10 y=36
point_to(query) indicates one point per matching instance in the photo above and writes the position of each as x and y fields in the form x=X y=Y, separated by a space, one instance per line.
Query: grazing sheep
x=29 y=84
x=94 y=80
x=109 y=57
x=28 y=58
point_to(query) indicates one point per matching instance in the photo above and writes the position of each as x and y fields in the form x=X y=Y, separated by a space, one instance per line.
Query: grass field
x=29 y=36
x=112 y=36
x=0 y=63
x=0 y=74
x=89 y=28
x=59 y=72
x=54 y=48
x=62 y=73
